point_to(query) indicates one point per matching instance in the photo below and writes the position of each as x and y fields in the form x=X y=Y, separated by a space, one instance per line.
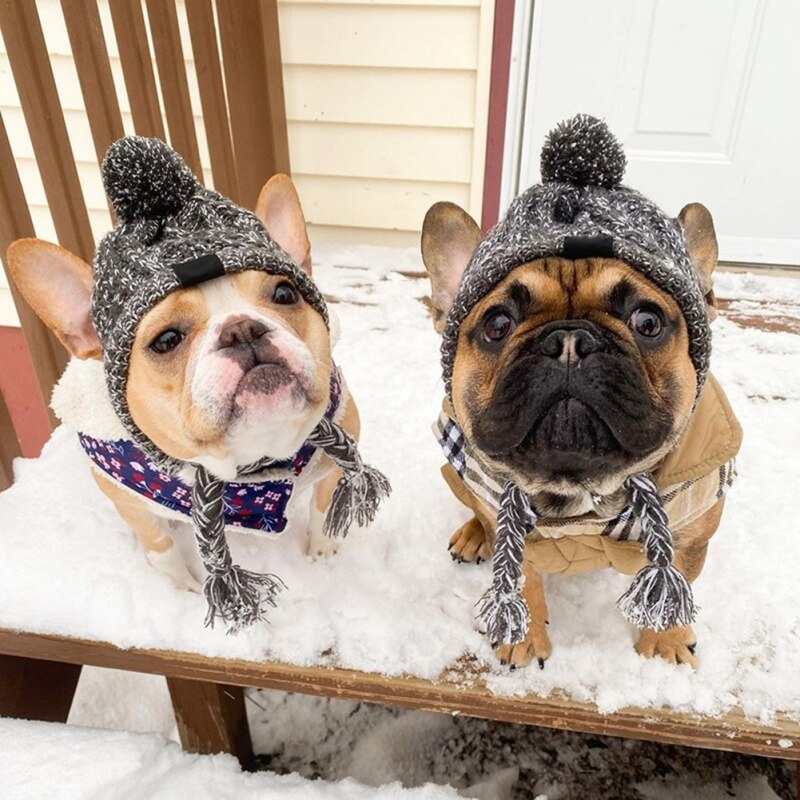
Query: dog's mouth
x=265 y=379
x=569 y=440
x=570 y=426
x=541 y=422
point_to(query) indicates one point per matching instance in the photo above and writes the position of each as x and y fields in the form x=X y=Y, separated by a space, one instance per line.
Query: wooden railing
x=237 y=65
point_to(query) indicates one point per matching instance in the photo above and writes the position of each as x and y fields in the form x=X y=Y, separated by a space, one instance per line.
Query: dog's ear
x=449 y=238
x=58 y=287
x=279 y=208
x=701 y=239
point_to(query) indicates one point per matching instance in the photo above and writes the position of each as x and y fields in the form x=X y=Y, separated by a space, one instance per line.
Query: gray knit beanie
x=581 y=210
x=173 y=233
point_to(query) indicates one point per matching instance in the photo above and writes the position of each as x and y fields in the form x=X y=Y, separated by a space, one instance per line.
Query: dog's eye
x=497 y=325
x=166 y=340
x=645 y=322
x=285 y=294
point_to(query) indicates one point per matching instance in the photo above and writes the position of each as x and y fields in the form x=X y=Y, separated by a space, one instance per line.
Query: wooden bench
x=40 y=672
x=244 y=119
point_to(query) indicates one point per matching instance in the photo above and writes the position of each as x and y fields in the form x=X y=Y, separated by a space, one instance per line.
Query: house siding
x=386 y=104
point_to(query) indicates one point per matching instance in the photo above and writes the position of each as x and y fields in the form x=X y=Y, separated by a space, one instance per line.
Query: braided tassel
x=503 y=609
x=660 y=597
x=236 y=595
x=360 y=489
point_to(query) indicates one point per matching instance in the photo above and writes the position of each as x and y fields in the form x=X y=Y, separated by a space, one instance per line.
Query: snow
x=40 y=760
x=391 y=600
x=334 y=739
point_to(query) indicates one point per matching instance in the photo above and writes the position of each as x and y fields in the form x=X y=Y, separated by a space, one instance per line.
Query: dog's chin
x=571 y=447
x=267 y=389
x=569 y=444
x=273 y=414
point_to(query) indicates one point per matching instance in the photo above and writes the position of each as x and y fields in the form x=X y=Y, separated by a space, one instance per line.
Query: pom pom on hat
x=583 y=151
x=146 y=178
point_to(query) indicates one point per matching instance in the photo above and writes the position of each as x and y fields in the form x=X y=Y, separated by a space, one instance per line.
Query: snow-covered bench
x=211 y=717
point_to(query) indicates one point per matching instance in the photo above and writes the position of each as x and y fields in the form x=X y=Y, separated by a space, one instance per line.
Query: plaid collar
x=685 y=499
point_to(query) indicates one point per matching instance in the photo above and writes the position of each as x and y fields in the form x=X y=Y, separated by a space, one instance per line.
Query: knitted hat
x=580 y=210
x=173 y=233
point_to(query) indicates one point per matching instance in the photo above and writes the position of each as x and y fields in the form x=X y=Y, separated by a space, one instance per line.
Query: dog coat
x=256 y=504
x=690 y=480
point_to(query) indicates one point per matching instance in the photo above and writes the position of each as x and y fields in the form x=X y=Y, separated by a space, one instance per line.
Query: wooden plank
x=34 y=689
x=381 y=36
x=469 y=696
x=137 y=67
x=428 y=98
x=94 y=72
x=212 y=718
x=166 y=35
x=200 y=15
x=394 y=152
x=254 y=81
x=373 y=203
x=33 y=75
x=9 y=445
x=47 y=354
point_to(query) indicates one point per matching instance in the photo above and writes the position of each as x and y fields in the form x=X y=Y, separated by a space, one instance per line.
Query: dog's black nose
x=245 y=331
x=569 y=342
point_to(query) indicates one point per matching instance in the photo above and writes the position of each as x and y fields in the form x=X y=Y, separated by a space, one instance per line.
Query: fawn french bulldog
x=209 y=389
x=581 y=425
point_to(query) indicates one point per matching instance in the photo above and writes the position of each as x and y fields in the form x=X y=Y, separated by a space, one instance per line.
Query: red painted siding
x=21 y=392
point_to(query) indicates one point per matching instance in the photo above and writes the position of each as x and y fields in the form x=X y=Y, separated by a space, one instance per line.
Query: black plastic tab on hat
x=204 y=268
x=588 y=247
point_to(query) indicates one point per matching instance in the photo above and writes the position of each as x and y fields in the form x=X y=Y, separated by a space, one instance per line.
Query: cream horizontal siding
x=386 y=104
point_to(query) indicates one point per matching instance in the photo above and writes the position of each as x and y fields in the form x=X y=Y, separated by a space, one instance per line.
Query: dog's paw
x=676 y=645
x=170 y=563
x=536 y=645
x=321 y=547
x=469 y=543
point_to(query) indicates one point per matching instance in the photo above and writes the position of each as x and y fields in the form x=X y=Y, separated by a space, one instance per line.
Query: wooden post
x=212 y=718
x=33 y=689
x=203 y=33
x=137 y=67
x=44 y=117
x=47 y=354
x=251 y=56
x=92 y=64
x=172 y=77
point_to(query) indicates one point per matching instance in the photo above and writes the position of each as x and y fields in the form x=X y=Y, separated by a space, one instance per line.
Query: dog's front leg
x=159 y=547
x=677 y=644
x=536 y=643
x=320 y=545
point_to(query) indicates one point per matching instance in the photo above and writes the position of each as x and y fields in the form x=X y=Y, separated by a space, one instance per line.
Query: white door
x=704 y=94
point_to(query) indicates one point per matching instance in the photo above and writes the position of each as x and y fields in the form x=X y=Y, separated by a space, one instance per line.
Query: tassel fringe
x=240 y=597
x=505 y=615
x=235 y=595
x=659 y=598
x=361 y=488
x=502 y=609
x=355 y=499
